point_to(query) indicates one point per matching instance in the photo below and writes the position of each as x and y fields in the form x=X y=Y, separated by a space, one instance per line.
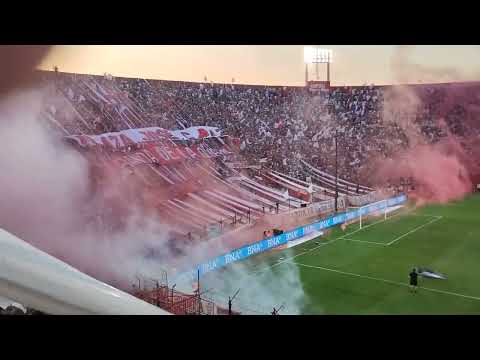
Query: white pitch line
x=363 y=241
x=426 y=215
x=293 y=257
x=325 y=243
x=437 y=217
x=386 y=281
x=412 y=231
x=316 y=247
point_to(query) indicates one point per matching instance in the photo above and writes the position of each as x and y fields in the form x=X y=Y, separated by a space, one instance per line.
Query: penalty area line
x=427 y=215
x=302 y=253
x=364 y=241
x=326 y=243
x=413 y=230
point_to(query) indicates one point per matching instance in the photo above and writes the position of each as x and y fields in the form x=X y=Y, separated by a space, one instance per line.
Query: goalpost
x=377 y=209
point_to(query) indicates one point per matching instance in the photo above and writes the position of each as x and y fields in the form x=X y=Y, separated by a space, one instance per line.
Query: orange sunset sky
x=274 y=65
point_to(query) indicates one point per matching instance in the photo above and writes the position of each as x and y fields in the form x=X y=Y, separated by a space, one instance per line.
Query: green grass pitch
x=365 y=271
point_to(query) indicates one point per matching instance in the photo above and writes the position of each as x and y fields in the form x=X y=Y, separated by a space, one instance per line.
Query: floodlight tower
x=315 y=55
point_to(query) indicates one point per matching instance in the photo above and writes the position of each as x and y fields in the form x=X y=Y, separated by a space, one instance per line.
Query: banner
x=196 y=132
x=163 y=155
x=168 y=153
x=318 y=86
x=273 y=242
x=242 y=165
x=125 y=138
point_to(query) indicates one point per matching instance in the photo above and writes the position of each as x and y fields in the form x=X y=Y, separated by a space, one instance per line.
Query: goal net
x=377 y=210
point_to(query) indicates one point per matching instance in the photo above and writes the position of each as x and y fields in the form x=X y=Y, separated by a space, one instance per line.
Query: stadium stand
x=271 y=151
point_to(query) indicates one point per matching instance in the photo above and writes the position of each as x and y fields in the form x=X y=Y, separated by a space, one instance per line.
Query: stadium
x=142 y=196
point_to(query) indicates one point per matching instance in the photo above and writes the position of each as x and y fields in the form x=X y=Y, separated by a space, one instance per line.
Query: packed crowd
x=276 y=126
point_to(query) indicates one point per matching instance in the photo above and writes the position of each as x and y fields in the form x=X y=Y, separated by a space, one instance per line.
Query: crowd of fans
x=276 y=126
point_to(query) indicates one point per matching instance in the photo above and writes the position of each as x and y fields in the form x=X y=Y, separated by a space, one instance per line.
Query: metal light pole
x=173 y=287
x=230 y=299
x=306 y=73
x=336 y=172
x=157 y=300
x=198 y=289
x=276 y=311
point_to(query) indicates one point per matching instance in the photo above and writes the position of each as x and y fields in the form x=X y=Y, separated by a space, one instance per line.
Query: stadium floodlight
x=315 y=55
x=308 y=54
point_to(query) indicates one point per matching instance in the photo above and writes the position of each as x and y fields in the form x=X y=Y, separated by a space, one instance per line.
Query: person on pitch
x=413 y=280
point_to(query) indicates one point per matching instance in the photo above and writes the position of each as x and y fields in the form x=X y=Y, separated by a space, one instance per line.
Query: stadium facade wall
x=361 y=200
x=317 y=208
x=283 y=239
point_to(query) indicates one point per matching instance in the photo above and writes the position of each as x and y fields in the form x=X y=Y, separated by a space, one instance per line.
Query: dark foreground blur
x=17 y=65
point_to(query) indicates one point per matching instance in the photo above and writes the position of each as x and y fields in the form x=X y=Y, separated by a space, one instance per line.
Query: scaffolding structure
x=158 y=293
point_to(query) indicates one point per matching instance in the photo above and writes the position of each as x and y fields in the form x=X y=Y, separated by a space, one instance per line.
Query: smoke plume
x=438 y=164
x=406 y=71
x=46 y=198
x=261 y=289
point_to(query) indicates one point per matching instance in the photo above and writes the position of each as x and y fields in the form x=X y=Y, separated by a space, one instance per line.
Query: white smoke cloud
x=261 y=289
x=406 y=71
x=44 y=192
x=41 y=182
x=44 y=199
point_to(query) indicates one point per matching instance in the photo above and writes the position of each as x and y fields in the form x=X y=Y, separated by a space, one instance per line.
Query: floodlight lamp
x=313 y=55
x=309 y=54
x=324 y=55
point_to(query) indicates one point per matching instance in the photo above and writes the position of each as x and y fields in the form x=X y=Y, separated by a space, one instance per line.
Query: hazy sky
x=274 y=65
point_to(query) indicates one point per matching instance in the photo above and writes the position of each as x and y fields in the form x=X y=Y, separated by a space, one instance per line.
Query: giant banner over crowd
x=125 y=138
x=158 y=144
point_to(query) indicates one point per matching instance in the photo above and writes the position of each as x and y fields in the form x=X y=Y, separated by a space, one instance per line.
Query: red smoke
x=437 y=171
x=441 y=171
